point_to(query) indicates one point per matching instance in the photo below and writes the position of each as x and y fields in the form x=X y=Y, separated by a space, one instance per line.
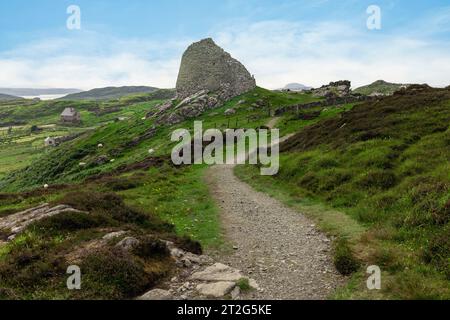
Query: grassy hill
x=379 y=87
x=20 y=146
x=127 y=182
x=374 y=175
x=109 y=93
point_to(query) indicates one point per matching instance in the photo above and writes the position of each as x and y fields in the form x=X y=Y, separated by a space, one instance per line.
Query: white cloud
x=280 y=52
x=277 y=52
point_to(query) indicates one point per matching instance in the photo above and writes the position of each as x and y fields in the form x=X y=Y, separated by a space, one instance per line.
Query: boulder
x=16 y=223
x=216 y=289
x=235 y=293
x=156 y=294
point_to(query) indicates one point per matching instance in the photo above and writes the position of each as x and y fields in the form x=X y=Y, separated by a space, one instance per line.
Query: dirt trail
x=275 y=245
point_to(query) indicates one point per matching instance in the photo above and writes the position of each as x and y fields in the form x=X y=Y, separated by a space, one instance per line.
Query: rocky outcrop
x=14 y=224
x=334 y=89
x=206 y=66
x=197 y=276
x=191 y=107
x=295 y=87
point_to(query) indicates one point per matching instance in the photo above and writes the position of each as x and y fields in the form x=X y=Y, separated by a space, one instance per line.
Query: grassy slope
x=385 y=164
x=62 y=165
x=33 y=266
x=344 y=159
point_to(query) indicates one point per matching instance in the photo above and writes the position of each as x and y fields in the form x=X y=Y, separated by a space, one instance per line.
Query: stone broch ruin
x=206 y=66
x=208 y=78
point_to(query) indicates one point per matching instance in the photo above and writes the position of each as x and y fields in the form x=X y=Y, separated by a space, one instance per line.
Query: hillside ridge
x=109 y=93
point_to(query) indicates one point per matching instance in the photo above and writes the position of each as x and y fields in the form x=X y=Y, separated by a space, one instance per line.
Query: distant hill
x=296 y=87
x=108 y=93
x=7 y=97
x=29 y=92
x=380 y=88
x=160 y=94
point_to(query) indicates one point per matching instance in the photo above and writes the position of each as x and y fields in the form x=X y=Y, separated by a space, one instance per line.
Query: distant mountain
x=7 y=97
x=206 y=66
x=296 y=87
x=109 y=93
x=380 y=88
x=32 y=92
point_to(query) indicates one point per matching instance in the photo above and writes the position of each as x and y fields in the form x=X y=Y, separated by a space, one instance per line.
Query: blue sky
x=140 y=42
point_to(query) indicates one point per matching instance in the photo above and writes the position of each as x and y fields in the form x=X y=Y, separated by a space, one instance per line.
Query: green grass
x=21 y=148
x=385 y=166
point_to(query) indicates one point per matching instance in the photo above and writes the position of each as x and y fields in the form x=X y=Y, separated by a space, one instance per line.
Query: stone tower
x=206 y=66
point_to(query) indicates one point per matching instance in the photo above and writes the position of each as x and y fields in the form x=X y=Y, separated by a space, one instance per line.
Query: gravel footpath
x=278 y=247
